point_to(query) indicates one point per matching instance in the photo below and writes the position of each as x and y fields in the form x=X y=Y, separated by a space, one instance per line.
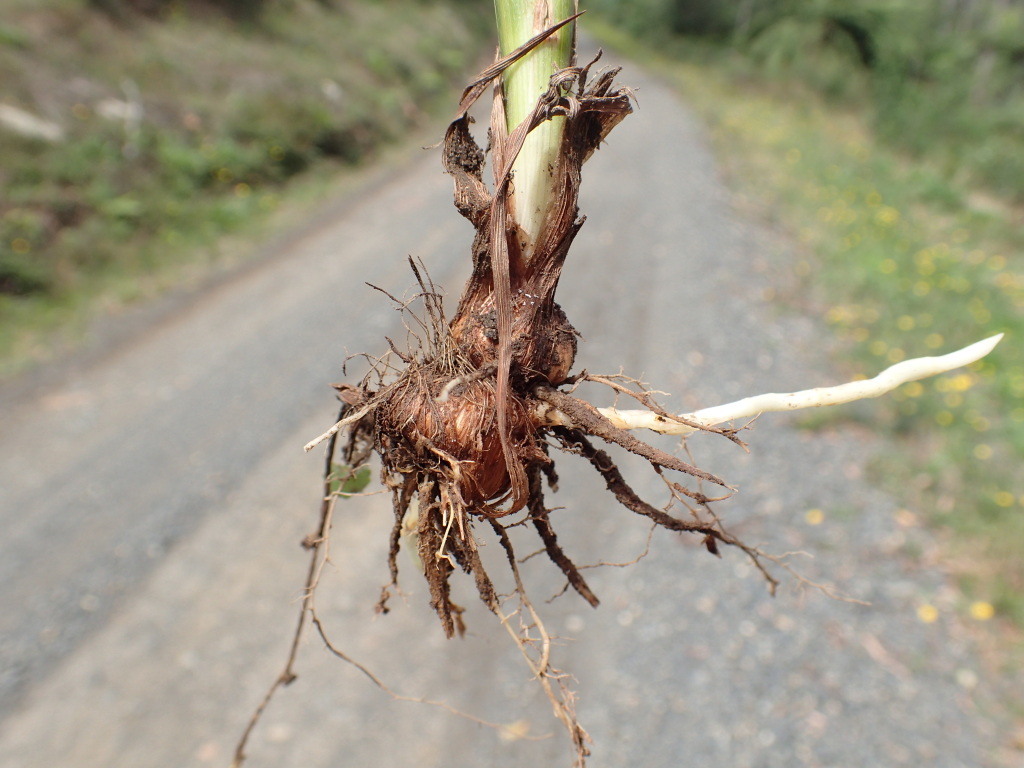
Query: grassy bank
x=133 y=135
x=900 y=262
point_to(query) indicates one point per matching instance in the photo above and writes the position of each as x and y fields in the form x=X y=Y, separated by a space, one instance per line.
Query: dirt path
x=153 y=502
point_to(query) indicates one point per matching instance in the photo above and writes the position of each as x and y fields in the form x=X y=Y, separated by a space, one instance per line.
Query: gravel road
x=153 y=498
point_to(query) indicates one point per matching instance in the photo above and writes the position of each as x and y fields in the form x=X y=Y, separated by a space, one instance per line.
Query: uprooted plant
x=468 y=419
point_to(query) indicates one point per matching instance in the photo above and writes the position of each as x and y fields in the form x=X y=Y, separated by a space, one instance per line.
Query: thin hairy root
x=356 y=454
x=575 y=441
x=563 y=702
x=333 y=431
x=542 y=523
x=627 y=563
x=396 y=696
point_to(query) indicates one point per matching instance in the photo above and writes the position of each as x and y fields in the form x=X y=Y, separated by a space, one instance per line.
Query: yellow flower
x=928 y=613
x=961 y=382
x=814 y=516
x=887 y=215
x=982 y=611
x=913 y=389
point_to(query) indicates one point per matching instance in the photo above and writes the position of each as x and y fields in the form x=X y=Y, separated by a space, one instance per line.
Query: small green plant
x=345 y=481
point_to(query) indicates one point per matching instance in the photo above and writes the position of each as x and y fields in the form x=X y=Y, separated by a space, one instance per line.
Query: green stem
x=524 y=82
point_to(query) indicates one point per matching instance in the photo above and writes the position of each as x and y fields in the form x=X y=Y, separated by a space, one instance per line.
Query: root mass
x=458 y=425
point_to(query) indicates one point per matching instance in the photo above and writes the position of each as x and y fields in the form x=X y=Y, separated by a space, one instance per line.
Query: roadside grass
x=177 y=130
x=899 y=262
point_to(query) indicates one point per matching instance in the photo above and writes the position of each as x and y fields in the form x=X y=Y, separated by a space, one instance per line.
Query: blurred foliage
x=943 y=79
x=240 y=10
x=160 y=124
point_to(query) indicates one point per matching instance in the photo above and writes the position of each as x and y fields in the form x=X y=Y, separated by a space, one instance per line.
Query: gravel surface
x=153 y=500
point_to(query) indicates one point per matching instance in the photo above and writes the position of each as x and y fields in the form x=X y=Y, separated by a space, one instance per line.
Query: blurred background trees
x=941 y=77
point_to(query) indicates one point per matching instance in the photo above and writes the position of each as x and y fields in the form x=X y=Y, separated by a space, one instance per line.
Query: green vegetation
x=156 y=126
x=903 y=258
x=938 y=80
x=347 y=481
